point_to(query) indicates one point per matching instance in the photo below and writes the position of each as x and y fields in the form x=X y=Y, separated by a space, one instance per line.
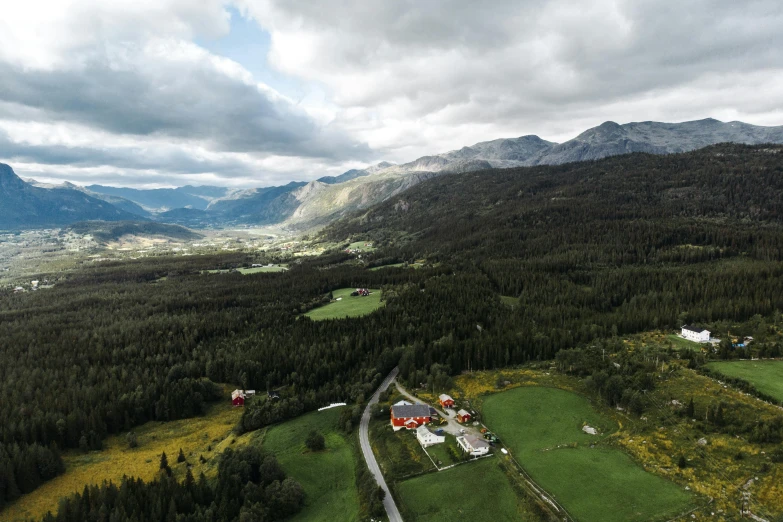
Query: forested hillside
x=586 y=251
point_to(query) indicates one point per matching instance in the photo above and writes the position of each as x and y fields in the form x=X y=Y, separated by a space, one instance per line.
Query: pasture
x=766 y=376
x=328 y=477
x=205 y=436
x=347 y=306
x=476 y=491
x=542 y=427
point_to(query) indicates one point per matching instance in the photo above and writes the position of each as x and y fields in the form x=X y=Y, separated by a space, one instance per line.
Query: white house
x=427 y=438
x=473 y=445
x=695 y=334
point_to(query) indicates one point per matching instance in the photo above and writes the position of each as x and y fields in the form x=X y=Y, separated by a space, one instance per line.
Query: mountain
x=121 y=203
x=355 y=173
x=25 y=205
x=105 y=231
x=611 y=139
x=160 y=200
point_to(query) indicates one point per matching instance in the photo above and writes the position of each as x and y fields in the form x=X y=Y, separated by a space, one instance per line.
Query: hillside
x=28 y=206
x=105 y=231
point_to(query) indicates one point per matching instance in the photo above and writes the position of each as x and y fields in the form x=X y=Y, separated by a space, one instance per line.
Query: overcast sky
x=245 y=93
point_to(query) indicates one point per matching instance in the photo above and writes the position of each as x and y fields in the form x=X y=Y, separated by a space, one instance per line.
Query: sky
x=250 y=93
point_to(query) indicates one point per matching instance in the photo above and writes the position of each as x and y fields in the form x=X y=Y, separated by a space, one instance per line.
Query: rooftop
x=410 y=410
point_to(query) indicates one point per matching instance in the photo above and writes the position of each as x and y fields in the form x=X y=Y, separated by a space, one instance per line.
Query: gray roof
x=411 y=410
x=476 y=442
x=463 y=412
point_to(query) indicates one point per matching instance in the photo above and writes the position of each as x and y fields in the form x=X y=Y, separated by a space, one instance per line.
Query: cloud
x=119 y=89
x=547 y=67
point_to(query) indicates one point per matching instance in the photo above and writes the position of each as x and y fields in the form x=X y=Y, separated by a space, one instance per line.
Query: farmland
x=766 y=376
x=347 y=306
x=594 y=481
x=205 y=436
x=327 y=476
x=462 y=493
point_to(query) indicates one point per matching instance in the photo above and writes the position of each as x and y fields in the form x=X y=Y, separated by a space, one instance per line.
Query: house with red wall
x=409 y=416
x=463 y=416
x=446 y=401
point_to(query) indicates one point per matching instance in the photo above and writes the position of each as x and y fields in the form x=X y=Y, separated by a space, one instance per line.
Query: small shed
x=446 y=401
x=463 y=416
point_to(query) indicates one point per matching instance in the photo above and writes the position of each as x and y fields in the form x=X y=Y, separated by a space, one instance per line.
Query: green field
x=262 y=269
x=679 y=343
x=542 y=427
x=362 y=246
x=328 y=477
x=475 y=491
x=513 y=302
x=766 y=376
x=348 y=306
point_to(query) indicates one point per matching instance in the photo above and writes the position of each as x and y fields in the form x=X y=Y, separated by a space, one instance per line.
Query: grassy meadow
x=766 y=376
x=328 y=477
x=476 y=491
x=207 y=435
x=348 y=306
x=542 y=427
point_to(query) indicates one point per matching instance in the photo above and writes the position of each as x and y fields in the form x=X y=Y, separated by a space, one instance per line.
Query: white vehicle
x=504 y=451
x=462 y=430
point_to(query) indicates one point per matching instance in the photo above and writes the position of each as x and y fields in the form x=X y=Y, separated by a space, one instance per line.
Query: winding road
x=364 y=439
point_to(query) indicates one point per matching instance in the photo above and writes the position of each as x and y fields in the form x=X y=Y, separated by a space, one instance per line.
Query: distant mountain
x=120 y=203
x=106 y=231
x=611 y=139
x=160 y=200
x=27 y=206
x=355 y=173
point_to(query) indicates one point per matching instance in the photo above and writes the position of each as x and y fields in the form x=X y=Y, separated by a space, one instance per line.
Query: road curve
x=364 y=439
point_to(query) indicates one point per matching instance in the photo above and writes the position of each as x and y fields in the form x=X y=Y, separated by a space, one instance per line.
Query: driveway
x=453 y=427
x=364 y=439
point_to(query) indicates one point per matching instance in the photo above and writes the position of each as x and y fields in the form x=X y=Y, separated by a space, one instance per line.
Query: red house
x=409 y=416
x=463 y=416
x=238 y=396
x=446 y=401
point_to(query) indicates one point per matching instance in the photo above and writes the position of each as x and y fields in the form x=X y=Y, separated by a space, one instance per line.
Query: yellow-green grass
x=543 y=429
x=262 y=269
x=348 y=306
x=194 y=436
x=328 y=477
x=513 y=302
x=360 y=245
x=474 y=491
x=766 y=376
x=678 y=343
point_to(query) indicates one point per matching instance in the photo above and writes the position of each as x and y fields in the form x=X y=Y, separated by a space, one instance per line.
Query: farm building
x=363 y=292
x=695 y=334
x=473 y=445
x=238 y=396
x=463 y=416
x=409 y=416
x=427 y=438
x=446 y=401
x=403 y=403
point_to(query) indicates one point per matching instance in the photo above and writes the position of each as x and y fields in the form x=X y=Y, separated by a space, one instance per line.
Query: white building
x=695 y=334
x=473 y=445
x=427 y=438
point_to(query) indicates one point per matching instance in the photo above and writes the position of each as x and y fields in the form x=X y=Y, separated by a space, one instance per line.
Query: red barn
x=446 y=401
x=463 y=416
x=409 y=416
x=237 y=398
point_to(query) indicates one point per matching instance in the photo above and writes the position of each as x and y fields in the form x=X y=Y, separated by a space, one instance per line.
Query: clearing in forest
x=329 y=476
x=347 y=306
x=542 y=427
x=206 y=436
x=766 y=376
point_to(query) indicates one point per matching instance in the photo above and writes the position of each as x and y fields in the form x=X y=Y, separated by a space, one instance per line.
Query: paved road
x=364 y=439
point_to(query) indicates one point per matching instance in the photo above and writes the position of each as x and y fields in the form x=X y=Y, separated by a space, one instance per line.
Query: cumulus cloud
x=123 y=87
x=546 y=67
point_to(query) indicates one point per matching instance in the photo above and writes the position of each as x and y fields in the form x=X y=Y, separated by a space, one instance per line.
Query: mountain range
x=303 y=205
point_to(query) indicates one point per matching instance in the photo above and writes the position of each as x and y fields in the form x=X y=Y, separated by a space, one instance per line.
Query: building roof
x=445 y=397
x=475 y=442
x=410 y=410
x=696 y=329
x=423 y=430
x=462 y=413
x=237 y=393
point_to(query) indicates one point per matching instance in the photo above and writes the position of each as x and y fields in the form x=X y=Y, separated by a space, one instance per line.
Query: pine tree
x=690 y=410
x=181 y=456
